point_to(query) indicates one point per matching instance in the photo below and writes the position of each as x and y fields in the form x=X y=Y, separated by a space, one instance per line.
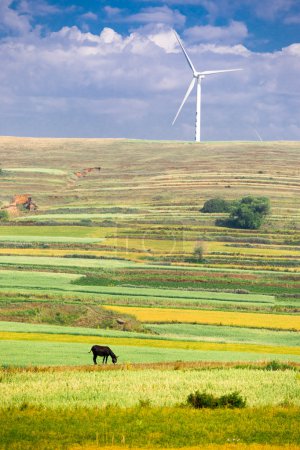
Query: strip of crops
x=185 y=332
x=256 y=320
x=154 y=343
x=35 y=279
x=63 y=231
x=200 y=279
x=60 y=262
x=22 y=327
x=76 y=217
x=21 y=280
x=50 y=239
x=114 y=428
x=172 y=277
x=126 y=388
x=31 y=353
x=172 y=293
x=218 y=333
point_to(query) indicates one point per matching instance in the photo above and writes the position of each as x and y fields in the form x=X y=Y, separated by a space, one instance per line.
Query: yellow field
x=159 y=246
x=57 y=252
x=258 y=250
x=280 y=321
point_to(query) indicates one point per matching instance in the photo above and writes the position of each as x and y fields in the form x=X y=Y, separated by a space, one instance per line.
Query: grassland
x=150 y=428
x=106 y=253
x=126 y=388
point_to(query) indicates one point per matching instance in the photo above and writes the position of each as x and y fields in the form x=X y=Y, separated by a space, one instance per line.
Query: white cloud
x=161 y=35
x=12 y=21
x=36 y=8
x=271 y=9
x=222 y=49
x=292 y=19
x=84 y=84
x=109 y=36
x=158 y=14
x=89 y=16
x=235 y=32
x=112 y=12
x=293 y=50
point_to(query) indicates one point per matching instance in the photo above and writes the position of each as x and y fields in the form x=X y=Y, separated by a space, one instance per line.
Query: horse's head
x=114 y=359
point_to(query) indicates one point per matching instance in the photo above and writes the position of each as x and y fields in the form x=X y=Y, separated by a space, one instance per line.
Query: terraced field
x=110 y=257
x=124 y=236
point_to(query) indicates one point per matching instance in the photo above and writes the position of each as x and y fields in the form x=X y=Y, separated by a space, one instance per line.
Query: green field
x=125 y=388
x=109 y=257
x=149 y=427
x=226 y=334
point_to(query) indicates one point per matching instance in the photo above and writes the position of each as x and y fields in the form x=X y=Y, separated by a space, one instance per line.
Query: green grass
x=60 y=262
x=23 y=279
x=76 y=217
x=54 y=287
x=29 y=427
x=29 y=352
x=20 y=278
x=200 y=278
x=57 y=231
x=225 y=334
x=84 y=388
x=172 y=293
x=64 y=239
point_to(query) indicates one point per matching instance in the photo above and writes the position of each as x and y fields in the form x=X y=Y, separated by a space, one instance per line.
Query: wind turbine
x=197 y=78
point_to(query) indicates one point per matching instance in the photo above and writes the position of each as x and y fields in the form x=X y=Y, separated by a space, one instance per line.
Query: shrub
x=204 y=400
x=3 y=215
x=216 y=205
x=199 y=252
x=144 y=403
x=85 y=222
x=277 y=365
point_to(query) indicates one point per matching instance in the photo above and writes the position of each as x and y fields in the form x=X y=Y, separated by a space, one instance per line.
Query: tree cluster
x=3 y=215
x=247 y=213
x=216 y=205
x=250 y=212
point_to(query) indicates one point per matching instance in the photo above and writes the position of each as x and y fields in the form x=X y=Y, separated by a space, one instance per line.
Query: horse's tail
x=90 y=350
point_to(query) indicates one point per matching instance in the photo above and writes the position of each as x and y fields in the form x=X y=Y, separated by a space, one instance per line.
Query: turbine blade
x=211 y=72
x=185 y=98
x=185 y=53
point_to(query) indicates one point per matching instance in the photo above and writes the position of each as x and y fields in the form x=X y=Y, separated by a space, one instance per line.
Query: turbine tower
x=197 y=78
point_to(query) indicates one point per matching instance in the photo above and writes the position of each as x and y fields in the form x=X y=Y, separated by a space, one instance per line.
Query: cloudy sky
x=74 y=68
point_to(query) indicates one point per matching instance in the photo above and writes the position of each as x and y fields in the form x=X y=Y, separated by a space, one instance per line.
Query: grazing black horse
x=99 y=350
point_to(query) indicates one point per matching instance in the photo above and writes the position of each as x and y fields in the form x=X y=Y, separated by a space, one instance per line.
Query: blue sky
x=114 y=69
x=271 y=24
